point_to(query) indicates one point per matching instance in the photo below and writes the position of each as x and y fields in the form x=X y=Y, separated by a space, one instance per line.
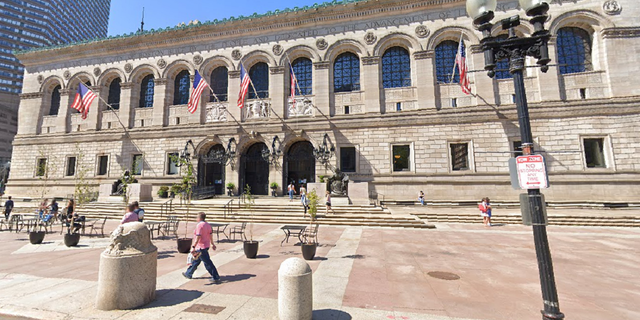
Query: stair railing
x=228 y=208
x=166 y=207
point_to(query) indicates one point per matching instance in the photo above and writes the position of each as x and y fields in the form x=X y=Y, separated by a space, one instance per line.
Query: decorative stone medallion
x=40 y=78
x=128 y=68
x=197 y=59
x=370 y=38
x=277 y=49
x=422 y=31
x=236 y=54
x=611 y=7
x=66 y=74
x=161 y=63
x=321 y=44
x=96 y=71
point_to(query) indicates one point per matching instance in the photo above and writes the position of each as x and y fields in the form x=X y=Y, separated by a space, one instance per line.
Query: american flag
x=293 y=84
x=83 y=100
x=199 y=84
x=244 y=85
x=461 y=62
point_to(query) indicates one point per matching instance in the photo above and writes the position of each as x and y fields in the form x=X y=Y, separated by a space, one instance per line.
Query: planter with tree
x=230 y=187
x=274 y=188
x=185 y=188
x=250 y=246
x=310 y=244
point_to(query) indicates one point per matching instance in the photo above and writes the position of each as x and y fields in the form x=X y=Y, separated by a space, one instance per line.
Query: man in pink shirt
x=130 y=216
x=201 y=244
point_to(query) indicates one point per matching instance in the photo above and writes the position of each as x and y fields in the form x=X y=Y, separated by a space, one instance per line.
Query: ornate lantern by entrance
x=273 y=155
x=222 y=157
x=324 y=153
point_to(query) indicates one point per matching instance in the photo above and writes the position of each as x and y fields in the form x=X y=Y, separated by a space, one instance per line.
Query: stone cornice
x=370 y=60
x=127 y=85
x=276 y=70
x=234 y=74
x=31 y=95
x=621 y=32
x=321 y=65
x=160 y=82
x=420 y=55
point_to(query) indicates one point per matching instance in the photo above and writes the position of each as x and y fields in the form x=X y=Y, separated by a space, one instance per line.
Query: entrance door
x=255 y=170
x=212 y=173
x=300 y=164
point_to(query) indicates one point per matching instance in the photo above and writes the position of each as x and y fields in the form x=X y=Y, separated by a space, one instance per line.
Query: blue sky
x=126 y=14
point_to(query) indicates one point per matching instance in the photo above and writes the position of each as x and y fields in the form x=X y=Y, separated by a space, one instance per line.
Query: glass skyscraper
x=28 y=24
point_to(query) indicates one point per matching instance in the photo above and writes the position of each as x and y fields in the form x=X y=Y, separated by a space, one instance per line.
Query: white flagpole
x=453 y=72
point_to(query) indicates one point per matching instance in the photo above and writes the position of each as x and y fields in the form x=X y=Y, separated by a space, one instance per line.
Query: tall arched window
x=303 y=70
x=346 y=73
x=502 y=66
x=181 y=88
x=259 y=74
x=574 y=50
x=445 y=62
x=55 y=101
x=396 y=68
x=219 y=83
x=146 y=92
x=114 y=94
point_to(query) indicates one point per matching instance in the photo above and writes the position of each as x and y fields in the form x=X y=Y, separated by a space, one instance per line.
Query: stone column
x=276 y=92
x=425 y=80
x=321 y=88
x=63 y=121
x=126 y=104
x=486 y=88
x=30 y=113
x=233 y=87
x=94 y=118
x=549 y=83
x=275 y=175
x=371 y=85
x=160 y=102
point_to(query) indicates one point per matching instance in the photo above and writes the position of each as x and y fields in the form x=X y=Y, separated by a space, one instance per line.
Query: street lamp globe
x=530 y=5
x=477 y=9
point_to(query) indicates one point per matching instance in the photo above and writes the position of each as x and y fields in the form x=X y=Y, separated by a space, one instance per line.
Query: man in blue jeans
x=201 y=243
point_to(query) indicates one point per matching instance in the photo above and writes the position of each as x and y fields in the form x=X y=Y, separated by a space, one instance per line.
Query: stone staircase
x=556 y=219
x=273 y=212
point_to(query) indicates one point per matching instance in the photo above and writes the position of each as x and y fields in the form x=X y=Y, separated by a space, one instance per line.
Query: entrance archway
x=300 y=165
x=212 y=173
x=254 y=170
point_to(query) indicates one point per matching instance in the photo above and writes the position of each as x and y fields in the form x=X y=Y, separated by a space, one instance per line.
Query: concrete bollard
x=295 y=290
x=128 y=269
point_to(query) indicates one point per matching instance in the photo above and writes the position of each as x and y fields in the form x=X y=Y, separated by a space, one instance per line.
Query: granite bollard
x=295 y=290
x=128 y=269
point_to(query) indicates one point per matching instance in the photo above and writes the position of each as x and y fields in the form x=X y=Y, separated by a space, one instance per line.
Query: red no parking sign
x=532 y=172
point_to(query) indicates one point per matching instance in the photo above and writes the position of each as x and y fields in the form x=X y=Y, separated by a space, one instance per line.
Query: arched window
x=114 y=94
x=55 y=101
x=574 y=50
x=445 y=62
x=396 y=68
x=346 y=73
x=259 y=74
x=302 y=68
x=502 y=66
x=146 y=92
x=181 y=88
x=219 y=83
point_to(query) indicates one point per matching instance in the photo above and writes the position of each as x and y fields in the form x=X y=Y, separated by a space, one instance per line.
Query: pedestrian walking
x=200 y=249
x=292 y=191
x=421 y=197
x=485 y=211
x=8 y=207
x=303 y=198
x=328 y=202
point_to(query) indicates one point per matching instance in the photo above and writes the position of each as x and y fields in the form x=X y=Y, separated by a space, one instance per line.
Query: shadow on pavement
x=166 y=254
x=263 y=256
x=236 y=277
x=331 y=314
x=172 y=297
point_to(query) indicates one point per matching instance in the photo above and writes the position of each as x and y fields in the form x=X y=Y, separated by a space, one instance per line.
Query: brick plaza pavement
x=359 y=273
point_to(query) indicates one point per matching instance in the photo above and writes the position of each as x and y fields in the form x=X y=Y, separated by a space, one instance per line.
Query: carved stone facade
x=425 y=116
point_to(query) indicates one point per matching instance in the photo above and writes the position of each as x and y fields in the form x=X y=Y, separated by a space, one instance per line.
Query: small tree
x=185 y=186
x=314 y=202
x=249 y=202
x=83 y=190
x=43 y=171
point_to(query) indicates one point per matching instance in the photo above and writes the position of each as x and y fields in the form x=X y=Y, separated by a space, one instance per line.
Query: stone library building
x=377 y=97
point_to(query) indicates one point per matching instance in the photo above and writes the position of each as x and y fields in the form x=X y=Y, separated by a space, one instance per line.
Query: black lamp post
x=273 y=155
x=516 y=50
x=324 y=152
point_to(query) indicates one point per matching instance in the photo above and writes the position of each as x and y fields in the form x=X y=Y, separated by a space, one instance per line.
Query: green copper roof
x=193 y=25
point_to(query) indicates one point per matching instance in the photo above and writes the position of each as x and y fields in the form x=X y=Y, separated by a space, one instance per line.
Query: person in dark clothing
x=8 y=207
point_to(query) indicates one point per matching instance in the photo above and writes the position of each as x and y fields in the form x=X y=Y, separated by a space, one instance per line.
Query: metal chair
x=98 y=226
x=311 y=233
x=238 y=230
x=171 y=226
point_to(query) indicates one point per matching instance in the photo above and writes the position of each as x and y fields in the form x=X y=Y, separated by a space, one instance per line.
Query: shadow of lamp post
x=516 y=49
